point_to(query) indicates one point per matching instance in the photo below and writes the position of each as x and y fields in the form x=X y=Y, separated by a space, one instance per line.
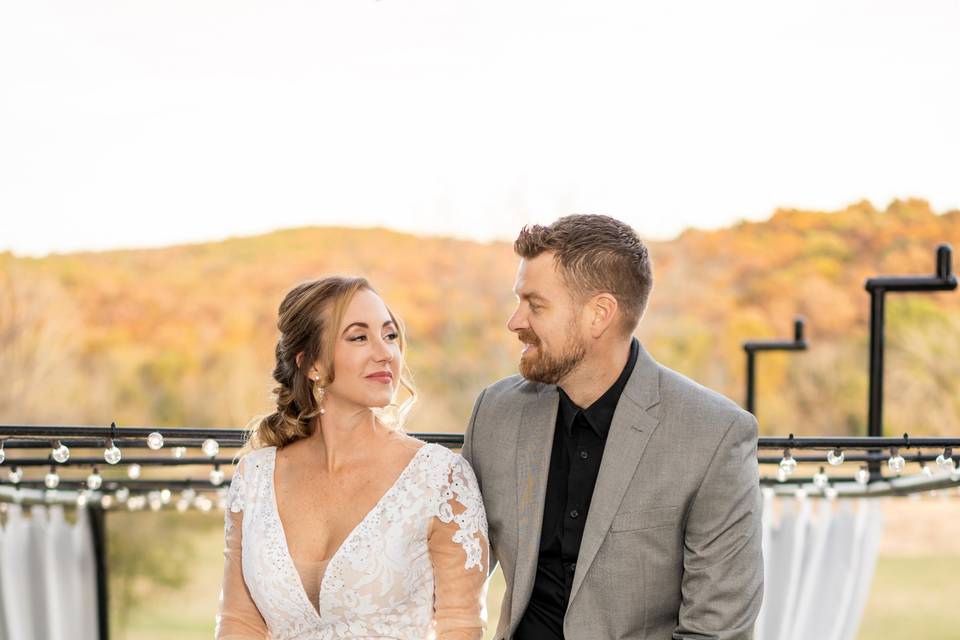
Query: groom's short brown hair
x=595 y=254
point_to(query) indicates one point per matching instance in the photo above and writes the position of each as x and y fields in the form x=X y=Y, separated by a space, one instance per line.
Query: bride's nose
x=382 y=352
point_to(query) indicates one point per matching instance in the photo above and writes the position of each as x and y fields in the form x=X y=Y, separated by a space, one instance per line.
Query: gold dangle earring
x=318 y=393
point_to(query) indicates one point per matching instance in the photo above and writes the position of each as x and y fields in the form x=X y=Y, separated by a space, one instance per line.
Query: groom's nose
x=518 y=320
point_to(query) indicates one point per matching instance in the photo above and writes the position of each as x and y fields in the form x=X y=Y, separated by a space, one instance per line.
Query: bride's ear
x=314 y=373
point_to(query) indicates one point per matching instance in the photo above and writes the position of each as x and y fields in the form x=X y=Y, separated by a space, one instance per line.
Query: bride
x=339 y=525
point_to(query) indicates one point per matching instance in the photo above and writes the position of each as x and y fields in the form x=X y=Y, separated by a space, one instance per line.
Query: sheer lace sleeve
x=460 y=554
x=238 y=617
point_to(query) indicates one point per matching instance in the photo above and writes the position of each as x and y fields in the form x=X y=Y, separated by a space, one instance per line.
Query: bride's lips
x=383 y=377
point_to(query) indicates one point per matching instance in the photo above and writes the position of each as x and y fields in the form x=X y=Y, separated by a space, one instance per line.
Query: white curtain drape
x=47 y=576
x=819 y=559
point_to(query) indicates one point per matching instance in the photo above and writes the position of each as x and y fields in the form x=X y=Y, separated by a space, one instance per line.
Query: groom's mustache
x=528 y=337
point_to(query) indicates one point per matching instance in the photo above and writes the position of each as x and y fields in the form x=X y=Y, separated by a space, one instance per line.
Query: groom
x=622 y=497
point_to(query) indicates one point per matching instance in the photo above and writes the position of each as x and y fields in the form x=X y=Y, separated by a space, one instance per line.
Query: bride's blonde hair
x=309 y=316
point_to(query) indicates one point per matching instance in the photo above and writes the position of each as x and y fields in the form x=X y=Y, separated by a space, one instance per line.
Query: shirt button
x=574 y=514
x=584 y=455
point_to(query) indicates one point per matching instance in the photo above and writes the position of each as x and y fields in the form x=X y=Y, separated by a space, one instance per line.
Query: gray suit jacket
x=671 y=545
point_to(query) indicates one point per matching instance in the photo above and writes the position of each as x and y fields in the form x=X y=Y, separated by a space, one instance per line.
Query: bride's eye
x=391 y=336
x=357 y=338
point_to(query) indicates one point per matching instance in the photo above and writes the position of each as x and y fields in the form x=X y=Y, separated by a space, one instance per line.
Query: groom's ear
x=602 y=310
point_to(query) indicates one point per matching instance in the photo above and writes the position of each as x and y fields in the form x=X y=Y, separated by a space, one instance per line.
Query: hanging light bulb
x=788 y=465
x=179 y=452
x=94 y=480
x=165 y=496
x=781 y=475
x=863 y=475
x=106 y=501
x=925 y=471
x=15 y=475
x=182 y=505
x=51 y=480
x=944 y=460
x=82 y=499
x=211 y=447
x=133 y=471
x=830 y=493
x=155 y=441
x=155 y=502
x=896 y=461
x=820 y=480
x=188 y=494
x=60 y=452
x=122 y=494
x=222 y=499
x=216 y=476
x=835 y=457
x=204 y=503
x=3 y=454
x=112 y=453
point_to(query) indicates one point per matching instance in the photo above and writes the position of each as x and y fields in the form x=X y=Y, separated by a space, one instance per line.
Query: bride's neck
x=343 y=434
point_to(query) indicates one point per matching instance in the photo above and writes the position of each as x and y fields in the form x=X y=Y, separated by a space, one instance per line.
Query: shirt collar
x=599 y=415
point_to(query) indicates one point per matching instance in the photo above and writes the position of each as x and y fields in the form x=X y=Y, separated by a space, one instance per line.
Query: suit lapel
x=634 y=421
x=534 y=446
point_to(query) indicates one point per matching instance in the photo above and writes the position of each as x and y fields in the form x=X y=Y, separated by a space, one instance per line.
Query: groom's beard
x=547 y=367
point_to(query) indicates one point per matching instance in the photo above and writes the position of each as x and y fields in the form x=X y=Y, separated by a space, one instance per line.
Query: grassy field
x=913 y=593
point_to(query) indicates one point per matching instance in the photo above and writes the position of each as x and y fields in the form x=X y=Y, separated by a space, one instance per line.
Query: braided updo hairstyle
x=308 y=319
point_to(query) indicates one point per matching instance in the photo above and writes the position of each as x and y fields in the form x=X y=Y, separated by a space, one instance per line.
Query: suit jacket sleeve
x=722 y=583
x=467 y=451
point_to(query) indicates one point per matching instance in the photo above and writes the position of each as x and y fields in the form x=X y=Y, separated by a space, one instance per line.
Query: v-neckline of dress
x=336 y=554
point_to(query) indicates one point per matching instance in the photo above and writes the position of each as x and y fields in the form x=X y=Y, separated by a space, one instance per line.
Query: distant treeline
x=184 y=335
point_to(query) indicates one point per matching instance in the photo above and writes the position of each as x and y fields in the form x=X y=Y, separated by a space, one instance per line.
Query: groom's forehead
x=536 y=278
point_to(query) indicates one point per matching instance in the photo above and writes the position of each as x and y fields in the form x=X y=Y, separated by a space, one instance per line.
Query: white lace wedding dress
x=414 y=568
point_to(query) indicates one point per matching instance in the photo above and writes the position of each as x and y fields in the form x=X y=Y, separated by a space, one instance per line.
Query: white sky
x=150 y=122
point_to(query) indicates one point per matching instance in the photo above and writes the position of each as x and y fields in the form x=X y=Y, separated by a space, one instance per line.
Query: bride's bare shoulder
x=404 y=444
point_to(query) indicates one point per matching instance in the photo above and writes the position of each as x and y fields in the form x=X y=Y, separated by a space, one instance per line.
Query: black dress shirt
x=578 y=442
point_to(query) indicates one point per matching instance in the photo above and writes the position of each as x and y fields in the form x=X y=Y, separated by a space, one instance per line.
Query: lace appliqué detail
x=456 y=481
x=236 y=495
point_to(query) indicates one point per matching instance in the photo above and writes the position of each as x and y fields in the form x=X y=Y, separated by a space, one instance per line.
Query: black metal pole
x=942 y=280
x=98 y=526
x=752 y=346
x=875 y=402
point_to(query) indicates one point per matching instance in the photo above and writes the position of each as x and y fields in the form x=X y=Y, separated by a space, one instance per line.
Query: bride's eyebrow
x=363 y=325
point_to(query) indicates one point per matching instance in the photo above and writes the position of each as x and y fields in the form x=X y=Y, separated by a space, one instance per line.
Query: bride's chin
x=380 y=403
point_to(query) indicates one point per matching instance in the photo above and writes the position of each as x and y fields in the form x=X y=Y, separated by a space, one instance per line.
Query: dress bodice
x=381 y=581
